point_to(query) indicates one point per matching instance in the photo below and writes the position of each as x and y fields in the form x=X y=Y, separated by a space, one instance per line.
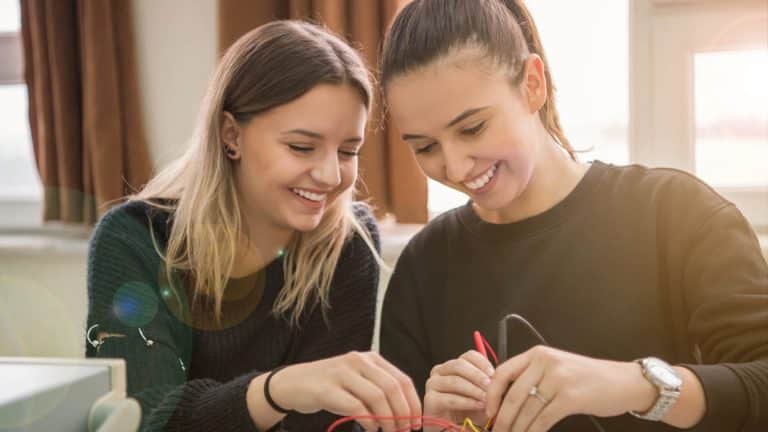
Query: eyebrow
x=460 y=117
x=316 y=135
x=464 y=115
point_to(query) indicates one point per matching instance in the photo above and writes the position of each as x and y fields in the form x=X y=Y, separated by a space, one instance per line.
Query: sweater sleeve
x=127 y=299
x=403 y=338
x=347 y=325
x=725 y=283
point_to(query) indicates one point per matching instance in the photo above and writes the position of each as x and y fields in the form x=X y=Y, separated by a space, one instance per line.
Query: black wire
x=502 y=346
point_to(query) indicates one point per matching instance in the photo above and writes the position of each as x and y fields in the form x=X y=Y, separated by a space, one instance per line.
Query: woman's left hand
x=566 y=384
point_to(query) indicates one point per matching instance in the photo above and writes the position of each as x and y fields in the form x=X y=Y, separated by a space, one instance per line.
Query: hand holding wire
x=361 y=384
x=456 y=389
x=469 y=372
x=534 y=390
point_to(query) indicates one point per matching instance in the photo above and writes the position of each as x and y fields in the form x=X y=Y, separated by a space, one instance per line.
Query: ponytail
x=549 y=115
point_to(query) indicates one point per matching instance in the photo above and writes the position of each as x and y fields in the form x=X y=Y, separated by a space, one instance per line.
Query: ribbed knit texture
x=193 y=376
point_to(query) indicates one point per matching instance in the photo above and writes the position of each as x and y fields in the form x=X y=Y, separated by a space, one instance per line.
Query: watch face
x=666 y=375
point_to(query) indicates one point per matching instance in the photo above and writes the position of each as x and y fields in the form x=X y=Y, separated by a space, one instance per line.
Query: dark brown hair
x=428 y=30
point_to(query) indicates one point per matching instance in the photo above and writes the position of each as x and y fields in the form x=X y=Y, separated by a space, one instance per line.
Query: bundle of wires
x=467 y=426
x=484 y=348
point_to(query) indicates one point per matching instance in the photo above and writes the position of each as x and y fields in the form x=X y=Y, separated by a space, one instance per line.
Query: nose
x=326 y=170
x=458 y=165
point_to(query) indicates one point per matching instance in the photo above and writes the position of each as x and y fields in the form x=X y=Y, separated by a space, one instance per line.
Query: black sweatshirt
x=634 y=262
x=194 y=377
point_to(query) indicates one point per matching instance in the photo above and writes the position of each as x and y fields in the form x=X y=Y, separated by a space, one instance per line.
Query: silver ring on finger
x=534 y=392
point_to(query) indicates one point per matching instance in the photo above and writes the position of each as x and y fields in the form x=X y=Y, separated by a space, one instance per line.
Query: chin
x=499 y=202
x=304 y=223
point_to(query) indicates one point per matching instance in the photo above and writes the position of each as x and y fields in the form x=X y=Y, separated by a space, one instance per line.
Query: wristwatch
x=667 y=380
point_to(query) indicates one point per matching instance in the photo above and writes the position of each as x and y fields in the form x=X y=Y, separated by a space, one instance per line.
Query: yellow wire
x=488 y=424
x=468 y=422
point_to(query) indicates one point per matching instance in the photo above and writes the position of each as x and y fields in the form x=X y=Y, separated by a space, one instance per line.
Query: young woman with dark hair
x=649 y=286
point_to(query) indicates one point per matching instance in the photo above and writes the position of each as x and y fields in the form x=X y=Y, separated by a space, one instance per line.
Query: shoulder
x=132 y=222
x=667 y=189
x=133 y=233
x=126 y=288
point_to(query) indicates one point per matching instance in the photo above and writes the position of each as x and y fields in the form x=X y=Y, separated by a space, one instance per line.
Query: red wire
x=490 y=350
x=480 y=343
x=496 y=362
x=425 y=421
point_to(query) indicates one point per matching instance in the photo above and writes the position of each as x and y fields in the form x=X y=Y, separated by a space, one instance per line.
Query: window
x=699 y=94
x=20 y=189
x=731 y=148
x=587 y=46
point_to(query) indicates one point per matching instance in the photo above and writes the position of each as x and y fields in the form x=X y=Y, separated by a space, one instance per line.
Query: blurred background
x=97 y=95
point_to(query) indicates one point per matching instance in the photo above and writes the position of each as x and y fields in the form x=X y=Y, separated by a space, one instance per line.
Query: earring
x=230 y=151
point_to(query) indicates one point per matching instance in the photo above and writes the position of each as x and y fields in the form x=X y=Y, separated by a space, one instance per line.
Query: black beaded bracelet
x=268 y=396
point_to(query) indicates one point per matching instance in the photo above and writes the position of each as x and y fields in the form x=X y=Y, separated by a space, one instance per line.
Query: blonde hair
x=251 y=78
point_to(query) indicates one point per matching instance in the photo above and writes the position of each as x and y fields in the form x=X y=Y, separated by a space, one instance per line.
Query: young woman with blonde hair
x=649 y=287
x=248 y=256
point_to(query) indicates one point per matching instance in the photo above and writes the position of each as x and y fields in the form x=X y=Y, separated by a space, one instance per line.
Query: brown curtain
x=84 y=110
x=393 y=180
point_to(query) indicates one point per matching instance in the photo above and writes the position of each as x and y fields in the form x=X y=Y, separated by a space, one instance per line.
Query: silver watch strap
x=664 y=402
x=667 y=397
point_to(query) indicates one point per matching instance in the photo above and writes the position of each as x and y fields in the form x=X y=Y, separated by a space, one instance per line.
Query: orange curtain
x=389 y=172
x=84 y=110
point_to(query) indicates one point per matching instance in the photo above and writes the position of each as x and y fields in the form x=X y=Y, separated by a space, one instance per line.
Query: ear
x=534 y=84
x=230 y=135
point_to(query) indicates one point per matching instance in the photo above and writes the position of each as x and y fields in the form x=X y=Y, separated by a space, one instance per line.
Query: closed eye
x=300 y=148
x=349 y=153
x=474 y=130
x=426 y=149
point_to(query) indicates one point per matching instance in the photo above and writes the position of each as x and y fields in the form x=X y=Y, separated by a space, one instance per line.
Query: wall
x=176 y=51
x=43 y=297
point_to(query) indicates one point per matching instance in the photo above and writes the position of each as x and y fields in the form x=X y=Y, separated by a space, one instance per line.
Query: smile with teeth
x=309 y=195
x=482 y=180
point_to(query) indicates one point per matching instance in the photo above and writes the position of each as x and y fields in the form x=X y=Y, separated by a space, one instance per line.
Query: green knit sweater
x=188 y=374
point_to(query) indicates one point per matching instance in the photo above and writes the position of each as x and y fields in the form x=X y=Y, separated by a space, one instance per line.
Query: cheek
x=263 y=158
x=432 y=166
x=515 y=147
x=348 y=175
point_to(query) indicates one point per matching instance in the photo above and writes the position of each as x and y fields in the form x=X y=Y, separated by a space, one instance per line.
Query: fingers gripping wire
x=468 y=425
x=504 y=324
x=447 y=426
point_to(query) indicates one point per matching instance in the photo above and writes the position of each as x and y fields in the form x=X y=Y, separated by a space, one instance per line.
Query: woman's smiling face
x=298 y=158
x=469 y=127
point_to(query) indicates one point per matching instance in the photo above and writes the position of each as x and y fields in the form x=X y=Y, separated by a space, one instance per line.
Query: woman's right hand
x=356 y=383
x=456 y=389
